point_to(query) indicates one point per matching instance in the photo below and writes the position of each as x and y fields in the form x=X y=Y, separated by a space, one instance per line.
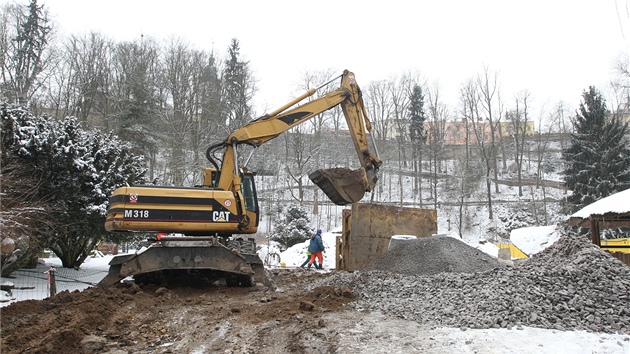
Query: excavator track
x=342 y=186
x=169 y=260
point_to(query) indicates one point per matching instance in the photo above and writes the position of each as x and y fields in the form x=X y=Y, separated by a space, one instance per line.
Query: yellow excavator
x=198 y=228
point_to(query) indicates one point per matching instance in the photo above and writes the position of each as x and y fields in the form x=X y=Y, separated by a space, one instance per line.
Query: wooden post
x=595 y=232
x=52 y=285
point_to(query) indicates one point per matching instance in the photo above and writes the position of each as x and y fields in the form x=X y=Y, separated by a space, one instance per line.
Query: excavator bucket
x=342 y=186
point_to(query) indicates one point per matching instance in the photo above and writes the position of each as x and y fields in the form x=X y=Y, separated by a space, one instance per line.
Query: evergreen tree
x=598 y=158
x=291 y=226
x=417 y=134
x=237 y=88
x=24 y=56
x=136 y=101
x=417 y=116
x=211 y=98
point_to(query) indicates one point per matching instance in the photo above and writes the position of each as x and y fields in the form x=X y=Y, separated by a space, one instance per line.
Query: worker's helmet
x=319 y=231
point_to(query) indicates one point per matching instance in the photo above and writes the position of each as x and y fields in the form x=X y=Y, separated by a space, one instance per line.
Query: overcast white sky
x=553 y=48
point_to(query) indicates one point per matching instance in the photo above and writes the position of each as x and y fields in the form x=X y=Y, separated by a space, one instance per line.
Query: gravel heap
x=571 y=285
x=427 y=256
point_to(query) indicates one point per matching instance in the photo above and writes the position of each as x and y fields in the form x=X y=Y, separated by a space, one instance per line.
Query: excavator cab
x=210 y=177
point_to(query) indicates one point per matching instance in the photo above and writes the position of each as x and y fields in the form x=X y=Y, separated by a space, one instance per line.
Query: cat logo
x=220 y=216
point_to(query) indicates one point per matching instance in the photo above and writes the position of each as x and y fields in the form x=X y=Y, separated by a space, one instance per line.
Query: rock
x=93 y=344
x=554 y=289
x=345 y=291
x=134 y=289
x=161 y=291
x=306 y=305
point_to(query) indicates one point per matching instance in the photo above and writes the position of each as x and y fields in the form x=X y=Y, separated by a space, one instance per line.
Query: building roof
x=614 y=208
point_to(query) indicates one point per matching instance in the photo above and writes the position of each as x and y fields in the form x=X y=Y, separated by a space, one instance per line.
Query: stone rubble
x=571 y=285
x=433 y=255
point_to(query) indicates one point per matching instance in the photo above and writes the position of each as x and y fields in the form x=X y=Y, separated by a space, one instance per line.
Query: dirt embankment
x=151 y=319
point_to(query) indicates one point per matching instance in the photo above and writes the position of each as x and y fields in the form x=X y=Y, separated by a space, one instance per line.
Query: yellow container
x=514 y=251
x=616 y=242
x=283 y=265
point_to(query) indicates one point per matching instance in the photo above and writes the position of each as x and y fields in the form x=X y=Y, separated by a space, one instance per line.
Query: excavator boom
x=342 y=186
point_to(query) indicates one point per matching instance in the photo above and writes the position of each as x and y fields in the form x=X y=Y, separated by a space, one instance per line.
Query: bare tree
x=518 y=131
x=178 y=70
x=86 y=63
x=319 y=122
x=300 y=149
x=25 y=217
x=469 y=97
x=26 y=33
x=438 y=114
x=620 y=97
x=379 y=108
x=486 y=131
x=308 y=148
x=205 y=108
x=492 y=109
x=461 y=185
x=541 y=144
x=560 y=123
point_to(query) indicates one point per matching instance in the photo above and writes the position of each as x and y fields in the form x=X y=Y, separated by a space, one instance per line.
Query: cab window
x=249 y=192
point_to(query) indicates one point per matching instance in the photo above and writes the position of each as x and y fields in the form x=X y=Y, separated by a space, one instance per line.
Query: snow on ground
x=32 y=283
x=295 y=255
x=532 y=240
x=525 y=340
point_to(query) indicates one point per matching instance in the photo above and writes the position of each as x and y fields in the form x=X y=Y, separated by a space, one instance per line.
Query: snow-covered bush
x=73 y=170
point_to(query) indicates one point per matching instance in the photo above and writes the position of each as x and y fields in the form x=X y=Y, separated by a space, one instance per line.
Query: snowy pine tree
x=417 y=135
x=598 y=158
x=291 y=226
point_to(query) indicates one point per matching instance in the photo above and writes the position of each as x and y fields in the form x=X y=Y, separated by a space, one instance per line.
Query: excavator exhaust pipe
x=343 y=186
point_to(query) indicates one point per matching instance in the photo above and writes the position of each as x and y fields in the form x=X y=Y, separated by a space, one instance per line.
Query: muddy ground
x=188 y=318
x=280 y=318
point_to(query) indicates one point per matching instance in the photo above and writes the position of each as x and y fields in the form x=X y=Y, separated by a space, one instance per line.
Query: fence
x=33 y=283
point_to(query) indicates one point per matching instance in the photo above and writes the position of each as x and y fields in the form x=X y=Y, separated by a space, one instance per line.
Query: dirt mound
x=131 y=318
x=427 y=256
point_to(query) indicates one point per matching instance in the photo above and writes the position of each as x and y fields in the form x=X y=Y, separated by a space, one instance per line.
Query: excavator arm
x=342 y=186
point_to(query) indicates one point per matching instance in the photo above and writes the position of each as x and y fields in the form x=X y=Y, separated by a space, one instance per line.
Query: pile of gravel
x=571 y=285
x=427 y=256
